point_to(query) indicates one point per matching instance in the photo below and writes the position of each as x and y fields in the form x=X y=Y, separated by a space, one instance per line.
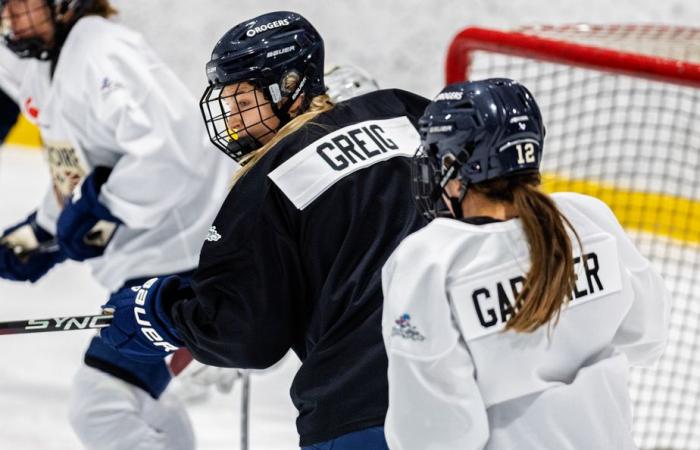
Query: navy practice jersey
x=295 y=255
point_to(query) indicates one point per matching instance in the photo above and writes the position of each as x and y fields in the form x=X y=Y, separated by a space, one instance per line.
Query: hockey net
x=621 y=106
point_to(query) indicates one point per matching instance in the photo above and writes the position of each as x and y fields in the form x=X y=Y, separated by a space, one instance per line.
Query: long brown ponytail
x=550 y=281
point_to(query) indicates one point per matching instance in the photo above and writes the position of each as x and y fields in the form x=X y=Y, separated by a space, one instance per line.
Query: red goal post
x=538 y=43
x=621 y=105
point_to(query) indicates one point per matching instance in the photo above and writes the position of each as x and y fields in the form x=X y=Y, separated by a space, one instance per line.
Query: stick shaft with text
x=68 y=323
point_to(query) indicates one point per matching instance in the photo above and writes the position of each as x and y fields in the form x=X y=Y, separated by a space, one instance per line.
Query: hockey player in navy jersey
x=512 y=323
x=134 y=191
x=196 y=380
x=293 y=259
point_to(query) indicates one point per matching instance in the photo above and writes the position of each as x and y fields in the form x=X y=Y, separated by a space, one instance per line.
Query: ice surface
x=401 y=42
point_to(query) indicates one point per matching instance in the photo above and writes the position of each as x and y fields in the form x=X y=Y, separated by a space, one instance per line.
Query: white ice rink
x=401 y=42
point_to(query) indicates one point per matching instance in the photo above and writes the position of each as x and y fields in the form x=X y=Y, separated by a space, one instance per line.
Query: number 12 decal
x=526 y=153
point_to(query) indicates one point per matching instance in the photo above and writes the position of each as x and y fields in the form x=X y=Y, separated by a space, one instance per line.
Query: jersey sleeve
x=147 y=120
x=414 y=104
x=435 y=403
x=430 y=368
x=416 y=316
x=48 y=211
x=11 y=73
x=248 y=285
x=643 y=332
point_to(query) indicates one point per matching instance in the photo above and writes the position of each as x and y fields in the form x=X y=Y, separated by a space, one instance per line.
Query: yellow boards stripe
x=24 y=134
x=662 y=214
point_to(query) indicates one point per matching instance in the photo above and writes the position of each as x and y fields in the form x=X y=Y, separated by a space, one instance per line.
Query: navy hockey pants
x=367 y=439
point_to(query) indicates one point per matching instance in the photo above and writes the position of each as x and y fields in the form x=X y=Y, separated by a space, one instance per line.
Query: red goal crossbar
x=527 y=45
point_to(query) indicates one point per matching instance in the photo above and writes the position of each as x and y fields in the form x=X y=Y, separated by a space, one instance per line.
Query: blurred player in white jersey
x=134 y=191
x=512 y=323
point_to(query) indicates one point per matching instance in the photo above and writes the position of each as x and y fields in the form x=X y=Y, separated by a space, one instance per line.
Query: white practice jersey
x=457 y=380
x=112 y=102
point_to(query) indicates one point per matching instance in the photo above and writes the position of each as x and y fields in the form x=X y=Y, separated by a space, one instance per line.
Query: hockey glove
x=85 y=225
x=140 y=329
x=28 y=251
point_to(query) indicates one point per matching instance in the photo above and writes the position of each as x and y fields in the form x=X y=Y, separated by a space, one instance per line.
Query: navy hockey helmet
x=280 y=55
x=32 y=15
x=474 y=132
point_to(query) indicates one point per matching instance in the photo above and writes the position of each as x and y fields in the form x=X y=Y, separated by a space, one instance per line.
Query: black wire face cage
x=425 y=184
x=428 y=181
x=235 y=119
x=18 y=21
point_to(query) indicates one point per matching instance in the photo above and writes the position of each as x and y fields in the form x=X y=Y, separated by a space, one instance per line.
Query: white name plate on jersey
x=309 y=173
x=484 y=304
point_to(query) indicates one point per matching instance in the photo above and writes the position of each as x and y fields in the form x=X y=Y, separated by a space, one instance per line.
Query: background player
x=134 y=192
x=294 y=261
x=494 y=322
x=347 y=81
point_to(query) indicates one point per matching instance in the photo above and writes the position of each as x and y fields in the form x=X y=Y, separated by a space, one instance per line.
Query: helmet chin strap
x=456 y=202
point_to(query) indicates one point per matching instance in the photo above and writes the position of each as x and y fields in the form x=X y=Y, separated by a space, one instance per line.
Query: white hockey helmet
x=347 y=81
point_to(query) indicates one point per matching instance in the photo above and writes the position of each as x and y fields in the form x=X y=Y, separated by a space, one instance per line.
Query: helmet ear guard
x=288 y=90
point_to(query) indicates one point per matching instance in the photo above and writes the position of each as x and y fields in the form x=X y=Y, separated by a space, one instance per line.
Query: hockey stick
x=44 y=247
x=56 y=324
x=245 y=410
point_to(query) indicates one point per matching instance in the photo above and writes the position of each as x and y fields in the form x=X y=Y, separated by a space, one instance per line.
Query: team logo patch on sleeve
x=314 y=169
x=213 y=235
x=404 y=329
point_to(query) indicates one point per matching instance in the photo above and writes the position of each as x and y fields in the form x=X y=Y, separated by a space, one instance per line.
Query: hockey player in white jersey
x=134 y=191
x=512 y=323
